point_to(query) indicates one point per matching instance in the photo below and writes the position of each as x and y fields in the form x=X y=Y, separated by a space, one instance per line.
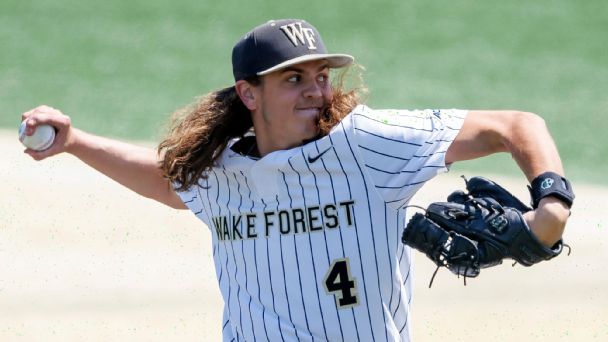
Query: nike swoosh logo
x=315 y=158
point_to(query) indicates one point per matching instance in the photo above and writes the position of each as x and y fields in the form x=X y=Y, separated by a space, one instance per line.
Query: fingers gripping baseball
x=61 y=124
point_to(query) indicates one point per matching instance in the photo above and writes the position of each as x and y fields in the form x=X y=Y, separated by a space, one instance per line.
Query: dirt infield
x=83 y=259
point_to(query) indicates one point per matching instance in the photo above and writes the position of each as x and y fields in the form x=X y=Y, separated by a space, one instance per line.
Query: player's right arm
x=135 y=167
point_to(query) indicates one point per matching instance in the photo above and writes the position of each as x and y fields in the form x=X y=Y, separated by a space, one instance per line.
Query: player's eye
x=322 y=78
x=294 y=78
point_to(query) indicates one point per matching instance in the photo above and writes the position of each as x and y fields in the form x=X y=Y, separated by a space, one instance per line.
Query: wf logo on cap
x=278 y=44
x=304 y=35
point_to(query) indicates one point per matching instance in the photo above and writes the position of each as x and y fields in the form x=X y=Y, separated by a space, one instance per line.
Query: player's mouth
x=309 y=111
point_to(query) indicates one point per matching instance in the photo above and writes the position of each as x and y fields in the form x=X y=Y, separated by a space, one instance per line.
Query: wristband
x=551 y=184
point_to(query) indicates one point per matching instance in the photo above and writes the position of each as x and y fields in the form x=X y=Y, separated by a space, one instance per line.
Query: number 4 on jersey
x=339 y=282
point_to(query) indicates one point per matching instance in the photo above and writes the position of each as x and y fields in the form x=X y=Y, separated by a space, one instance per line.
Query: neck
x=265 y=147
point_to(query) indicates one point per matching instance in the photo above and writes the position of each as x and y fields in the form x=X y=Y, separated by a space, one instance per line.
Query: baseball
x=42 y=138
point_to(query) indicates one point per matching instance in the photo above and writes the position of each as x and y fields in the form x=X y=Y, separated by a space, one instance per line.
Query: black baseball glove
x=476 y=230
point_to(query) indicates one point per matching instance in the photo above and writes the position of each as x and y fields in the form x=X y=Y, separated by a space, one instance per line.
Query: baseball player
x=304 y=189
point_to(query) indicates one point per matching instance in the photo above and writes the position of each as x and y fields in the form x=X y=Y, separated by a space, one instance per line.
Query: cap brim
x=334 y=61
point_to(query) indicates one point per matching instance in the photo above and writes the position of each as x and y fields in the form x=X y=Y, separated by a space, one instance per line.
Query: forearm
x=526 y=137
x=533 y=149
x=135 y=167
x=531 y=146
x=548 y=221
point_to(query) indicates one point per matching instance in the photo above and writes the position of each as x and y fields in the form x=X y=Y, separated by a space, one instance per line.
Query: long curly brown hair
x=199 y=132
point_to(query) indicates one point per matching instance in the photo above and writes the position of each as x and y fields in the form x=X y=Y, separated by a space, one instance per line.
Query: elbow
x=521 y=129
x=488 y=132
x=527 y=122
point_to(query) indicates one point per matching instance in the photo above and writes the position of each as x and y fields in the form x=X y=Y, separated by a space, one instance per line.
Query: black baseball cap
x=278 y=44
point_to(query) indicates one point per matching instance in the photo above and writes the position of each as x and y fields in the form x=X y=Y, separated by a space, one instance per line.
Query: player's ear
x=248 y=93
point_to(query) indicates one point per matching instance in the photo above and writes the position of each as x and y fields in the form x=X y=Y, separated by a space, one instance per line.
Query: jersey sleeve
x=192 y=199
x=401 y=150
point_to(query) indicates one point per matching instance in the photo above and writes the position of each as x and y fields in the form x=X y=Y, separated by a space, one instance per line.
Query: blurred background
x=82 y=259
x=120 y=68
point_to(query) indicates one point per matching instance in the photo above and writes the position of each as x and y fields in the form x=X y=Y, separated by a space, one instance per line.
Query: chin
x=311 y=136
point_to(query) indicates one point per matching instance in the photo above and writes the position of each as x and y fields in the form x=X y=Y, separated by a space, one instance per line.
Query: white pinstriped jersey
x=307 y=241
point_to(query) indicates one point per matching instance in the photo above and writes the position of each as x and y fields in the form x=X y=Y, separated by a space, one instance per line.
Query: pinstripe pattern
x=341 y=313
x=306 y=242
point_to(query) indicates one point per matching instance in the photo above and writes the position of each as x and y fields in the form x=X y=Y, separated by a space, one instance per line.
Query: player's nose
x=313 y=90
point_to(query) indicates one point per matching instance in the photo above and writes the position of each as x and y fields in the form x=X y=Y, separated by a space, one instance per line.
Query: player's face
x=291 y=102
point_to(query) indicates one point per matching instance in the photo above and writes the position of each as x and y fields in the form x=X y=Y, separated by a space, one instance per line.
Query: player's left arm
x=527 y=138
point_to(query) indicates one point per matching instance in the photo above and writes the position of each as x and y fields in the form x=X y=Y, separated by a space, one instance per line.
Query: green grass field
x=119 y=68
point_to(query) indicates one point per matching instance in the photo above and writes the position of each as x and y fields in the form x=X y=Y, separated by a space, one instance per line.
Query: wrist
x=73 y=140
x=551 y=184
x=554 y=207
x=548 y=221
